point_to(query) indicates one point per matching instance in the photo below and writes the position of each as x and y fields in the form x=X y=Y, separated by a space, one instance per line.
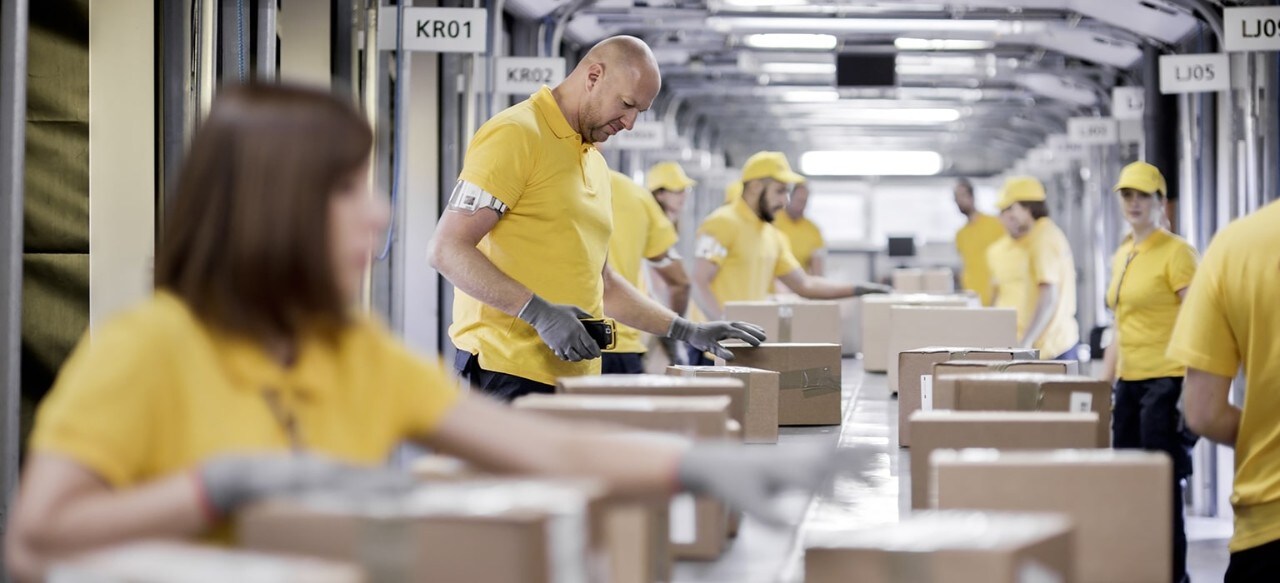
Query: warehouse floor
x=761 y=555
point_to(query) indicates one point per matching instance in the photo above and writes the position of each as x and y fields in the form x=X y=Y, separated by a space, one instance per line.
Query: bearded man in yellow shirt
x=973 y=240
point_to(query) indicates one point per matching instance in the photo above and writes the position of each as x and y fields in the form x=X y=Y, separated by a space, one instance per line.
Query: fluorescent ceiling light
x=893 y=115
x=804 y=96
x=791 y=41
x=852 y=24
x=776 y=68
x=763 y=3
x=941 y=44
x=870 y=163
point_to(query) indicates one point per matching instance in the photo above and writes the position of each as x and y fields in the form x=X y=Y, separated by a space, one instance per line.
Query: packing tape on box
x=386 y=549
x=1028 y=395
x=785 y=315
x=814 y=382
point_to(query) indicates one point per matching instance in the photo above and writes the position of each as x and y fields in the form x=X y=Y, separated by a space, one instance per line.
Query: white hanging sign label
x=436 y=30
x=1256 y=28
x=1194 y=73
x=1128 y=102
x=524 y=75
x=645 y=135
x=1092 y=130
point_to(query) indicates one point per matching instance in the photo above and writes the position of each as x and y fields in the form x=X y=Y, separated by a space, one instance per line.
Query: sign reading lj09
x=439 y=30
x=1251 y=29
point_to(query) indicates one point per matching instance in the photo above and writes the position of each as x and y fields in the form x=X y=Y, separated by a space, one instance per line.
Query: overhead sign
x=1128 y=102
x=1194 y=73
x=645 y=135
x=1090 y=131
x=526 y=75
x=436 y=30
x=1064 y=149
x=1251 y=29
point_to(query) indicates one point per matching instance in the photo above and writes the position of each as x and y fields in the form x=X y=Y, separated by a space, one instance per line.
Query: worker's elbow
x=437 y=254
x=1198 y=418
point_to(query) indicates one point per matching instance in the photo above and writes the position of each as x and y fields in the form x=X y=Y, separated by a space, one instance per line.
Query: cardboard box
x=661 y=386
x=908 y=280
x=697 y=526
x=958 y=367
x=1119 y=502
x=791 y=321
x=946 y=546
x=938 y=280
x=875 y=322
x=1003 y=430
x=915 y=377
x=536 y=531
x=760 y=422
x=913 y=327
x=176 y=562
x=808 y=381
x=1027 y=392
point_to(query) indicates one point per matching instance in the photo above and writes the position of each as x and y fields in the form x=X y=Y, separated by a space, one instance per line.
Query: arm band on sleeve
x=469 y=198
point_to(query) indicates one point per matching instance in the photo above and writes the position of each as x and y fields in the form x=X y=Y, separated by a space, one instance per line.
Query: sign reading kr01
x=436 y=30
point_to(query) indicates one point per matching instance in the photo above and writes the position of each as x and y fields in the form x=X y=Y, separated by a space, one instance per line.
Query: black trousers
x=1260 y=564
x=501 y=386
x=1146 y=417
x=622 y=363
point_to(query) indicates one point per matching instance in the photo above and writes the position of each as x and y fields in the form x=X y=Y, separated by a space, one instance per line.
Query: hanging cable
x=397 y=131
x=240 y=48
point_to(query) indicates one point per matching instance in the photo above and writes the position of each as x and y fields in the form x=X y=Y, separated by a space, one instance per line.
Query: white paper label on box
x=1093 y=130
x=1081 y=402
x=683 y=519
x=438 y=30
x=1128 y=102
x=1194 y=73
x=645 y=135
x=926 y=392
x=524 y=75
x=1251 y=29
x=1033 y=571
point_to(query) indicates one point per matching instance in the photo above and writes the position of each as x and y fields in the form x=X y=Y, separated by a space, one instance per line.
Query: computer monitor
x=902 y=246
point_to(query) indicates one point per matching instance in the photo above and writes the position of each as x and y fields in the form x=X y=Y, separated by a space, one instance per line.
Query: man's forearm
x=1040 y=319
x=821 y=288
x=707 y=302
x=624 y=303
x=472 y=273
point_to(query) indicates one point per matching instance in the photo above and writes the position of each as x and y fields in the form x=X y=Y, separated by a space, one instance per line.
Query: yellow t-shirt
x=972 y=242
x=1011 y=278
x=1230 y=316
x=1144 y=295
x=553 y=239
x=154 y=392
x=749 y=252
x=1051 y=262
x=803 y=236
x=640 y=231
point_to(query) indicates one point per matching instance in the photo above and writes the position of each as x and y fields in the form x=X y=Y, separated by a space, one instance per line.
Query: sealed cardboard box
x=908 y=280
x=536 y=531
x=661 y=385
x=959 y=367
x=698 y=527
x=175 y=562
x=1003 y=430
x=791 y=320
x=760 y=420
x=875 y=322
x=1119 y=502
x=938 y=281
x=913 y=327
x=915 y=377
x=1027 y=392
x=946 y=546
x=808 y=379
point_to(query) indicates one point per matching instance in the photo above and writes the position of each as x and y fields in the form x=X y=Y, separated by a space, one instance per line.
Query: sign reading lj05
x=1194 y=73
x=1251 y=29
x=438 y=30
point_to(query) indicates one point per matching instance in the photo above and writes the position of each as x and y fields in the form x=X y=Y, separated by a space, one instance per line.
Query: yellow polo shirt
x=749 y=252
x=640 y=231
x=1051 y=262
x=1011 y=278
x=553 y=238
x=972 y=242
x=803 y=236
x=1145 y=280
x=1230 y=317
x=155 y=391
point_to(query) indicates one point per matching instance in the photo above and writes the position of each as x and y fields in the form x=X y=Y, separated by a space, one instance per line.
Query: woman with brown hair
x=249 y=374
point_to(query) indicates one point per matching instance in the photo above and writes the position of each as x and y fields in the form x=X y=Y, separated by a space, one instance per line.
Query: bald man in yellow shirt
x=973 y=240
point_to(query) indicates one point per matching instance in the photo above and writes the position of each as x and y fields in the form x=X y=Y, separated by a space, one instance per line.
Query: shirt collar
x=313 y=373
x=1151 y=241
x=545 y=103
x=740 y=207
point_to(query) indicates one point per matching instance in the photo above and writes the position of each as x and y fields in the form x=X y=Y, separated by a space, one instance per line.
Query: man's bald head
x=616 y=81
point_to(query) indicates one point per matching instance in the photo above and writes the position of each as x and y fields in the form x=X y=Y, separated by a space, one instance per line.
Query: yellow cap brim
x=788 y=177
x=1136 y=185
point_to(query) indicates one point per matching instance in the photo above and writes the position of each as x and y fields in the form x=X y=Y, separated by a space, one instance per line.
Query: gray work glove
x=869 y=288
x=748 y=477
x=675 y=353
x=706 y=337
x=232 y=481
x=558 y=326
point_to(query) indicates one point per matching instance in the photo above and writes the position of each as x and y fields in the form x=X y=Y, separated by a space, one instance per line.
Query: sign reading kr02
x=523 y=75
x=436 y=30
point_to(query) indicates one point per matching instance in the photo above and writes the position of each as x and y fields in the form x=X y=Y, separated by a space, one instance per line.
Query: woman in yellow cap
x=1150 y=273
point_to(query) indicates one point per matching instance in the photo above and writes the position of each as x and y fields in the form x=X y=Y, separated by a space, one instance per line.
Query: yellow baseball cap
x=1144 y=177
x=667 y=176
x=732 y=192
x=770 y=165
x=1020 y=189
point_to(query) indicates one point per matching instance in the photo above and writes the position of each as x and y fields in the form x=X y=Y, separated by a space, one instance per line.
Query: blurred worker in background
x=1150 y=273
x=1010 y=271
x=670 y=187
x=249 y=374
x=804 y=237
x=1230 y=317
x=1050 y=305
x=732 y=191
x=739 y=253
x=641 y=232
x=525 y=236
x=973 y=240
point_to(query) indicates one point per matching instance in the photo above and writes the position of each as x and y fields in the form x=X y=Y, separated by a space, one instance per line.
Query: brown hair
x=246 y=242
x=1037 y=208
